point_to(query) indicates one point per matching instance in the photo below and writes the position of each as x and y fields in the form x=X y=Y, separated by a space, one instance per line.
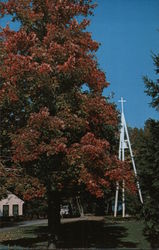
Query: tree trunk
x=80 y=207
x=53 y=218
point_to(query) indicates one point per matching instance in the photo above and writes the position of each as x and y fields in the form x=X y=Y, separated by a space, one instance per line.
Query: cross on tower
x=123 y=144
x=122 y=104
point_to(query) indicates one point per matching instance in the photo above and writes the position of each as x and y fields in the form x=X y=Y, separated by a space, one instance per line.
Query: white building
x=11 y=206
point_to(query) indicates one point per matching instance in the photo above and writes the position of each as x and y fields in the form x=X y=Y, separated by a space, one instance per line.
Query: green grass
x=28 y=236
x=133 y=235
x=14 y=234
x=108 y=233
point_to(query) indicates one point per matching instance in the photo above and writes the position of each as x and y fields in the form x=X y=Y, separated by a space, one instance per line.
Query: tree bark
x=80 y=207
x=53 y=218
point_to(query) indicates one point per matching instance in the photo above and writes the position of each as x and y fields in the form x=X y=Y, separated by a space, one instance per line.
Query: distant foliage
x=152 y=87
x=151 y=173
x=146 y=149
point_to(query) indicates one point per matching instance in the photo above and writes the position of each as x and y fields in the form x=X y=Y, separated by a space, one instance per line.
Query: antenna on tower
x=123 y=144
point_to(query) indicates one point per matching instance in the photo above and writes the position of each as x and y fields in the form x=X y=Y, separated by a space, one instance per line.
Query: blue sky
x=127 y=31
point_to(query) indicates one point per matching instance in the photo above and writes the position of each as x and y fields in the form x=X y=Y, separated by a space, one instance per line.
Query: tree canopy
x=152 y=87
x=146 y=149
x=51 y=129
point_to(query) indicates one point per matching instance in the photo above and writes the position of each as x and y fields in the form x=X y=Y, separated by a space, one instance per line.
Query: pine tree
x=151 y=171
x=152 y=87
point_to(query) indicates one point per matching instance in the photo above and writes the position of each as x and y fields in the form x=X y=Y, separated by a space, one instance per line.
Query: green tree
x=146 y=144
x=152 y=87
x=146 y=149
x=151 y=172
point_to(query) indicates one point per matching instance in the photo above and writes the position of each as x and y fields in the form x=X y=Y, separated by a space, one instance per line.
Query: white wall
x=11 y=200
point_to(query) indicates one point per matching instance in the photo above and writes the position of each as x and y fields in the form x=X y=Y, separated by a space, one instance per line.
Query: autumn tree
x=53 y=131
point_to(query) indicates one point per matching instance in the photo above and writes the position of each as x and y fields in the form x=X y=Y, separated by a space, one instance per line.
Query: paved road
x=45 y=221
x=23 y=224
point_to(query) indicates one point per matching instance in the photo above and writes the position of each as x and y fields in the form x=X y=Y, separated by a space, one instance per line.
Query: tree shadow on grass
x=79 y=234
x=153 y=239
x=28 y=241
x=86 y=234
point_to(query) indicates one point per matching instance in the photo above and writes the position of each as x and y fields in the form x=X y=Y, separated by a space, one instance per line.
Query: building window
x=15 y=210
x=5 y=210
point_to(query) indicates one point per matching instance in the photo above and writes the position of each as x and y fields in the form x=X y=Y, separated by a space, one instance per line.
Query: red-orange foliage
x=59 y=132
x=13 y=179
x=98 y=168
x=39 y=137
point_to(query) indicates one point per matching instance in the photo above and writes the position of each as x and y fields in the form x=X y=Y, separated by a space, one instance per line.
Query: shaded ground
x=15 y=225
x=89 y=232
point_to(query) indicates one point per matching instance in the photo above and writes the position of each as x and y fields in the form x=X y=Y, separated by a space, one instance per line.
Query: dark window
x=15 y=210
x=5 y=210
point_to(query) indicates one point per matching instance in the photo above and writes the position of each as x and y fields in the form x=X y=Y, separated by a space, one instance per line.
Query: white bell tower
x=124 y=144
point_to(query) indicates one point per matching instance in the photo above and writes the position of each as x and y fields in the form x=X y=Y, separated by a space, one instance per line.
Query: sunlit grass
x=14 y=234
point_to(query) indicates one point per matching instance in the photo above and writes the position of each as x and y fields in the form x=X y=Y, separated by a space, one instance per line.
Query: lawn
x=91 y=232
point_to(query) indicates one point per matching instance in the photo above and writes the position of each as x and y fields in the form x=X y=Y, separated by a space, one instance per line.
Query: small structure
x=11 y=206
x=124 y=144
